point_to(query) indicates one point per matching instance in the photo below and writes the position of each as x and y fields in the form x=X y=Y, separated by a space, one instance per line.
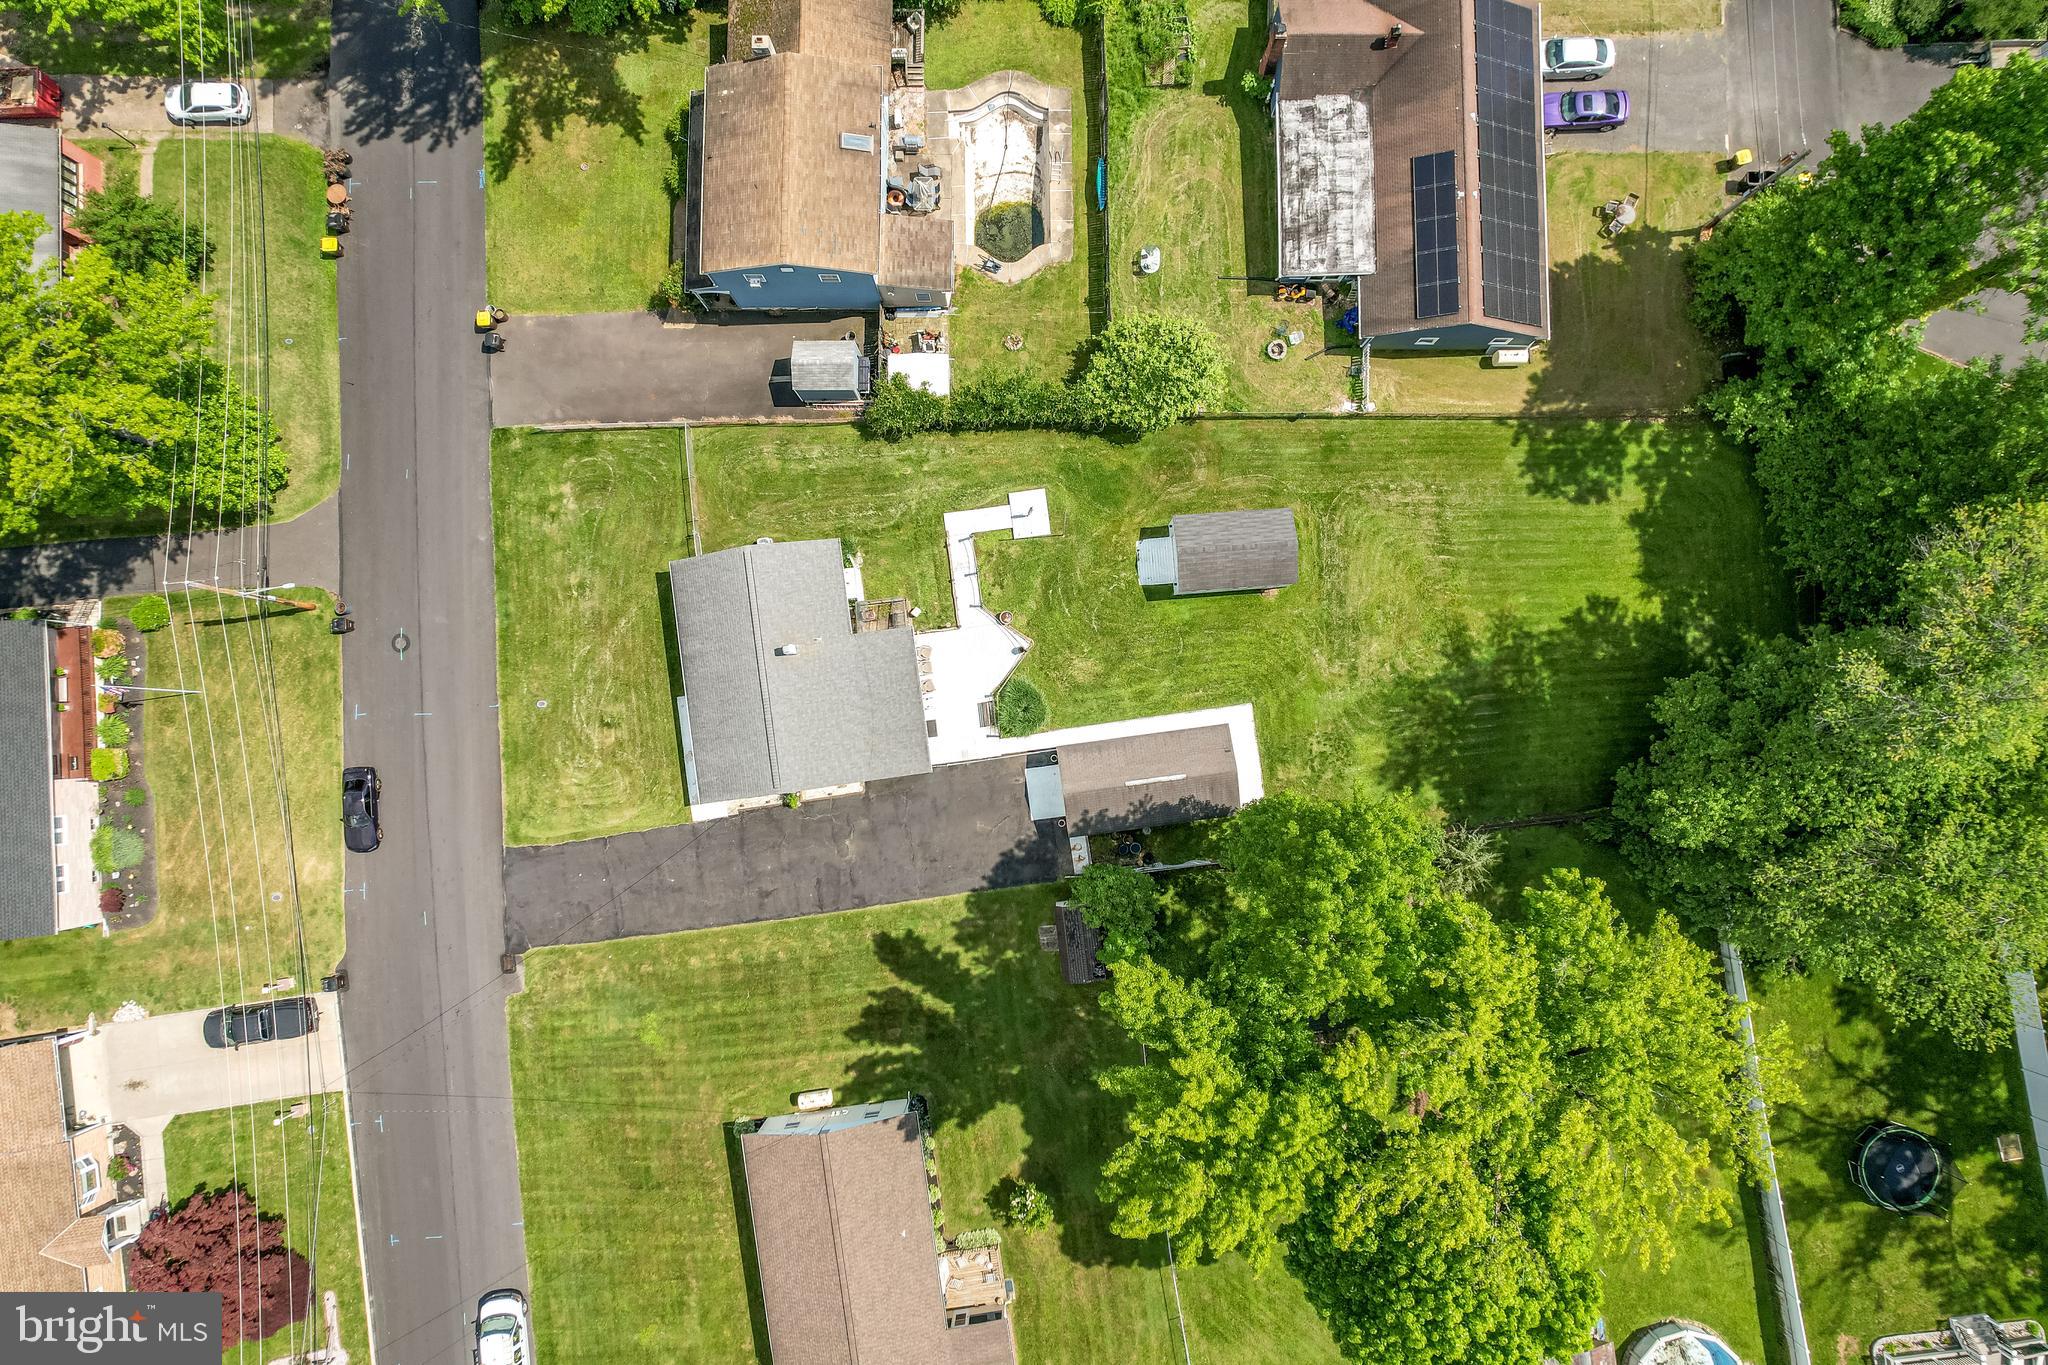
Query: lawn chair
x=1620 y=215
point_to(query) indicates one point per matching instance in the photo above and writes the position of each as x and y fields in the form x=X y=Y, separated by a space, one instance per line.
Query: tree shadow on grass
x=984 y=1022
x=1513 y=720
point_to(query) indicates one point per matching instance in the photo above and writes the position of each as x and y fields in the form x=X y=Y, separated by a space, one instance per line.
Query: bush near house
x=115 y=849
x=149 y=613
x=108 y=764
x=114 y=732
x=1020 y=709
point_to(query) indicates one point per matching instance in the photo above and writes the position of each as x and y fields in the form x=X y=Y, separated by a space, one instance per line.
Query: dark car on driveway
x=1585 y=111
x=264 y=1023
x=359 y=790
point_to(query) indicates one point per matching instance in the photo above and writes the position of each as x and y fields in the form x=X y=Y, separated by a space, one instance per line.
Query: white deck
x=960 y=668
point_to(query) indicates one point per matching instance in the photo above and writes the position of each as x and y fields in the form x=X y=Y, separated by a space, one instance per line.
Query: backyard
x=576 y=219
x=1052 y=310
x=299 y=1171
x=218 y=842
x=629 y=1058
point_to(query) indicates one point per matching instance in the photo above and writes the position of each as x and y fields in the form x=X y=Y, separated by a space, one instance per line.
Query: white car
x=1577 y=59
x=207 y=102
x=502 y=1334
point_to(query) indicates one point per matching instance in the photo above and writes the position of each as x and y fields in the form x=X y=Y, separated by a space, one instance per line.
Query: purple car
x=1585 y=111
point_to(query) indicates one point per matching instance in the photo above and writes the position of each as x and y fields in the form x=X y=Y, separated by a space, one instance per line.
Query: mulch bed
x=138 y=882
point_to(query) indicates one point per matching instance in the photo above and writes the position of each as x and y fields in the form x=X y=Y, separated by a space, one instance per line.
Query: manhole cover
x=401 y=642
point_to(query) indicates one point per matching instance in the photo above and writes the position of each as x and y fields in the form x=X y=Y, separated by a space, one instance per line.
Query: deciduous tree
x=1149 y=371
x=138 y=232
x=218 y=1243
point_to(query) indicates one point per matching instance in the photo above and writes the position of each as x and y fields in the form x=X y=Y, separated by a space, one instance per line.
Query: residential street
x=423 y=1020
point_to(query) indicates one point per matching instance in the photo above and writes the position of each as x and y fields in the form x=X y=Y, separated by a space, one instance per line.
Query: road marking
x=344 y=454
x=434 y=1237
x=360 y=712
x=479 y=177
x=426 y=182
x=394 y=1238
x=380 y=1128
x=422 y=713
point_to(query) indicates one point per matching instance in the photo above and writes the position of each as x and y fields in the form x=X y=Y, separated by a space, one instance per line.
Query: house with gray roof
x=47 y=816
x=1209 y=552
x=850 y=1267
x=781 y=693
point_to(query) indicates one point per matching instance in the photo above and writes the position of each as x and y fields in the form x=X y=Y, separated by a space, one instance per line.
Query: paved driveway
x=305 y=549
x=1999 y=330
x=134 y=105
x=964 y=827
x=601 y=369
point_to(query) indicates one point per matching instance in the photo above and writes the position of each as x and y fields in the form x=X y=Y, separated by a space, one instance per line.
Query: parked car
x=265 y=1023
x=208 y=102
x=1585 y=111
x=502 y=1334
x=360 y=788
x=1577 y=59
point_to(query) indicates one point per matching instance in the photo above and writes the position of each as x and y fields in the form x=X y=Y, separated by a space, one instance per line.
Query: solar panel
x=1434 y=179
x=1512 y=268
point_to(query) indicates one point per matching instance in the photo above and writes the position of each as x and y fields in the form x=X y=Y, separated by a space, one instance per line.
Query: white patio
x=960 y=668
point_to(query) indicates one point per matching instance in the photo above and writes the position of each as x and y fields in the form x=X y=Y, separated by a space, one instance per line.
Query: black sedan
x=359 y=791
x=264 y=1023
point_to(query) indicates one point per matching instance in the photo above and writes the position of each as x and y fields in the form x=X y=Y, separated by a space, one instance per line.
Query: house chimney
x=785 y=651
x=1276 y=43
x=1394 y=37
x=764 y=46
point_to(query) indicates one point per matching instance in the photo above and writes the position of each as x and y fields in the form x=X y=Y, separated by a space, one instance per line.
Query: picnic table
x=1621 y=214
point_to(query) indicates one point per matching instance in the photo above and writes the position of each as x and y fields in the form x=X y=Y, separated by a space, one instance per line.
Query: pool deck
x=1056 y=181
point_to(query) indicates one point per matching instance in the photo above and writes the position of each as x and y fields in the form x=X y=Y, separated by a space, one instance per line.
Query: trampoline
x=1899 y=1169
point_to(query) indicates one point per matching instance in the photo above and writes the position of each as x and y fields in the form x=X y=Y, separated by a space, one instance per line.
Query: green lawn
x=1620 y=343
x=576 y=219
x=628 y=1058
x=585 y=524
x=299 y=1171
x=219 y=846
x=1630 y=16
x=289 y=39
x=1051 y=310
x=297 y=288
x=1863 y=1272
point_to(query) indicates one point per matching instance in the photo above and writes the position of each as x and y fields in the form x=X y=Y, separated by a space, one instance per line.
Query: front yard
x=218 y=843
x=288 y=39
x=628 y=1060
x=1484 y=611
x=576 y=219
x=299 y=1171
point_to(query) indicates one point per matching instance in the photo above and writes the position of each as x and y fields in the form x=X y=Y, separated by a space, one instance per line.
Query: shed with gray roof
x=28 y=905
x=827 y=371
x=780 y=693
x=1205 y=552
x=31 y=180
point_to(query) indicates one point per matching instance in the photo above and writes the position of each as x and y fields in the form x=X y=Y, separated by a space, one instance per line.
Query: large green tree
x=137 y=231
x=109 y=407
x=1912 y=218
x=1443 y=1121
x=1875 y=802
x=1148 y=371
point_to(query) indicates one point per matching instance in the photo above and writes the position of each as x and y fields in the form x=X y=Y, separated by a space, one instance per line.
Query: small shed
x=1207 y=552
x=827 y=371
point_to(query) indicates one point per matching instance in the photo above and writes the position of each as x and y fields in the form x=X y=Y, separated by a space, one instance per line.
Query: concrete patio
x=961 y=667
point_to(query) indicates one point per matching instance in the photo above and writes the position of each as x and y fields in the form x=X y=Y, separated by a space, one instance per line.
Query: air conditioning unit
x=1510 y=355
x=763 y=45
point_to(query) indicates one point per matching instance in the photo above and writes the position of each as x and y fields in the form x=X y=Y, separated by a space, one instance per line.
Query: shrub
x=1009 y=231
x=22 y=614
x=106 y=643
x=677 y=135
x=1025 y=1206
x=1255 y=87
x=150 y=613
x=1149 y=372
x=975 y=1238
x=1157 y=27
x=671 y=286
x=1014 y=401
x=115 y=849
x=138 y=232
x=111 y=901
x=114 y=669
x=135 y=796
x=1020 y=709
x=114 y=732
x=897 y=411
x=793 y=800
x=108 y=764
x=218 y=1243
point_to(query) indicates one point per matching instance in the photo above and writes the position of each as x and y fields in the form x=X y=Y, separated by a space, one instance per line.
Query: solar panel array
x=1512 y=266
x=1435 y=182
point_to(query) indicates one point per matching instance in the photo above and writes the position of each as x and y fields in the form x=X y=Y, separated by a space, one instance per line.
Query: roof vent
x=763 y=45
x=1394 y=36
x=785 y=651
x=856 y=142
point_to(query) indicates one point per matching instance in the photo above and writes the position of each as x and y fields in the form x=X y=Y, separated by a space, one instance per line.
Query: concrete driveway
x=605 y=369
x=964 y=827
x=144 y=1073
x=95 y=106
x=2000 y=330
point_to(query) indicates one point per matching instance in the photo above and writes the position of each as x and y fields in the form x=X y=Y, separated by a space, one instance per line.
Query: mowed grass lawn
x=585 y=525
x=1051 y=310
x=1485 y=609
x=297 y=1171
x=575 y=216
x=218 y=840
x=1864 y=1272
x=1630 y=16
x=628 y=1060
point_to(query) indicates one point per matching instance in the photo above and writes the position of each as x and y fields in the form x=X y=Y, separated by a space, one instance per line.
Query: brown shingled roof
x=41 y=1202
x=831 y=27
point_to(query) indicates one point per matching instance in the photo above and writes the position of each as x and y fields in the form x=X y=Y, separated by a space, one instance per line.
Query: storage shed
x=1207 y=552
x=827 y=371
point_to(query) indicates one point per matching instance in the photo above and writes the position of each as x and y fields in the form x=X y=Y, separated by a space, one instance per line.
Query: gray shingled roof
x=843 y=708
x=1235 y=551
x=31 y=176
x=824 y=367
x=28 y=904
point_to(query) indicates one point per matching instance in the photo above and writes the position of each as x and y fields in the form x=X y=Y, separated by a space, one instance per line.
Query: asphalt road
x=423 y=1021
